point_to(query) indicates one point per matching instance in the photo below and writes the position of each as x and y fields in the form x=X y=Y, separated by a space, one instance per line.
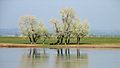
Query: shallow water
x=89 y=58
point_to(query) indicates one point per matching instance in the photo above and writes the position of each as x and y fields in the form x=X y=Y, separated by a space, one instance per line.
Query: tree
x=80 y=30
x=85 y=29
x=58 y=29
x=32 y=28
x=68 y=16
x=59 y=33
x=69 y=26
x=63 y=29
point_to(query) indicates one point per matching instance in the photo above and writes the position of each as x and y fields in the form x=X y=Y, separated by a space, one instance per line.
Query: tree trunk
x=58 y=40
x=78 y=40
x=30 y=39
x=61 y=41
x=34 y=41
x=68 y=40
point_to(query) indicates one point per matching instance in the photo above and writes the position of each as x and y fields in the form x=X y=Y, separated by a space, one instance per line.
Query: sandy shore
x=9 y=45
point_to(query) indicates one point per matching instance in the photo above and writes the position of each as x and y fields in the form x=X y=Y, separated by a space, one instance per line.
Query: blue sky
x=101 y=14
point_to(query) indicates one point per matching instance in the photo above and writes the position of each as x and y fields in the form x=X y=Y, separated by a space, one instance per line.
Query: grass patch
x=91 y=40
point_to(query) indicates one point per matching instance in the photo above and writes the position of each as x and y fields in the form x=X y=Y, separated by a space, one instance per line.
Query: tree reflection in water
x=36 y=61
x=50 y=60
x=72 y=61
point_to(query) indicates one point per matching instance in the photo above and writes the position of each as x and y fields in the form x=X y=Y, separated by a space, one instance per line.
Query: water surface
x=89 y=58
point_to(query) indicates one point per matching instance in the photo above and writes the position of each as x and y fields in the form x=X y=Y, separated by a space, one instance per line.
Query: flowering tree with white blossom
x=69 y=26
x=32 y=28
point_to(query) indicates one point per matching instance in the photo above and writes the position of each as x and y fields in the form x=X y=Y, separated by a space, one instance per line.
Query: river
x=89 y=58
